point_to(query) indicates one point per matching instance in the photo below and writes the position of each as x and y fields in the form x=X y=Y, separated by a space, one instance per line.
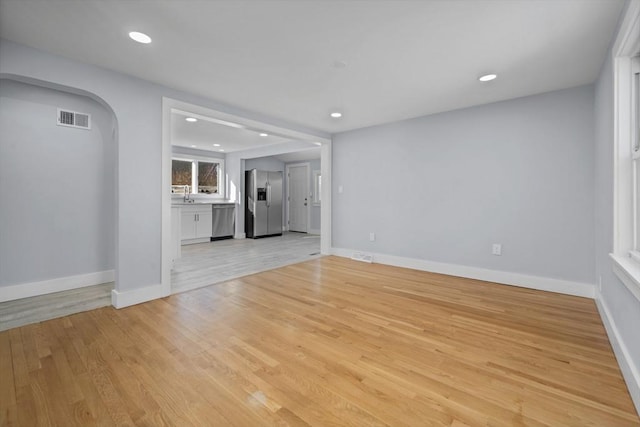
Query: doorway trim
x=168 y=105
x=288 y=210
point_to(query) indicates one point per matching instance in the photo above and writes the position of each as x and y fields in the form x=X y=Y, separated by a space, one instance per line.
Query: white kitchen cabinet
x=204 y=223
x=196 y=224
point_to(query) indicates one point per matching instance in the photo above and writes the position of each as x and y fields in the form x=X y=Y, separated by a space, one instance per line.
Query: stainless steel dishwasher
x=223 y=221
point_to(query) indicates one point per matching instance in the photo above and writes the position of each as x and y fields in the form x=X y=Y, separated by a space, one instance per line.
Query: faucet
x=187 y=194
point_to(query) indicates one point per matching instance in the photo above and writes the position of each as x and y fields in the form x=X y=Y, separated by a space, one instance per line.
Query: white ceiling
x=207 y=131
x=300 y=156
x=403 y=58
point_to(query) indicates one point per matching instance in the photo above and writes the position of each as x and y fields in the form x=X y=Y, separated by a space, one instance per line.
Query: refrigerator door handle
x=268 y=194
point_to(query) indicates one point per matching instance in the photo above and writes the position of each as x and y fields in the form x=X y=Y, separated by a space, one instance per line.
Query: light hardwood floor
x=325 y=342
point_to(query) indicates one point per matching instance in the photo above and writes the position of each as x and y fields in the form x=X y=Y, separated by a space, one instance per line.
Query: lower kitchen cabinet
x=196 y=224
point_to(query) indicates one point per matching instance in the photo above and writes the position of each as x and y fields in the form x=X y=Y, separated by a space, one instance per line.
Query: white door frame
x=288 y=210
x=168 y=105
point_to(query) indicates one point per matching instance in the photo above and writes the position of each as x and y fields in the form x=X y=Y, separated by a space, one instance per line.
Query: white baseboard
x=240 y=236
x=630 y=372
x=504 y=277
x=313 y=231
x=26 y=290
x=137 y=296
x=194 y=241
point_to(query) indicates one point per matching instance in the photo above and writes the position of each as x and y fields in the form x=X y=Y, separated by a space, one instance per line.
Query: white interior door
x=298 y=197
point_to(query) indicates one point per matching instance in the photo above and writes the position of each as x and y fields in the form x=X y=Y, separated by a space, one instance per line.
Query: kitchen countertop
x=204 y=202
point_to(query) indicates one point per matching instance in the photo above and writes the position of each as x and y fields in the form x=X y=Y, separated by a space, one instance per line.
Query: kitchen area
x=207 y=253
x=208 y=245
x=200 y=213
x=202 y=221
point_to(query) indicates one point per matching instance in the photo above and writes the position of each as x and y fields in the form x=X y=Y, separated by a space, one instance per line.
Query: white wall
x=445 y=187
x=57 y=186
x=137 y=106
x=264 y=163
x=622 y=307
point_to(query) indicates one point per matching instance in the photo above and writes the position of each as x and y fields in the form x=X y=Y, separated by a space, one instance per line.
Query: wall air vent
x=74 y=119
x=362 y=257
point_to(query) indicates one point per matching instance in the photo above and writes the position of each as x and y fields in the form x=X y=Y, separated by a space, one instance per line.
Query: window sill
x=628 y=271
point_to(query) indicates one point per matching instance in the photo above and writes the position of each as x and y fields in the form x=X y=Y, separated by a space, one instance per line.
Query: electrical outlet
x=372 y=237
x=496 y=249
x=340 y=189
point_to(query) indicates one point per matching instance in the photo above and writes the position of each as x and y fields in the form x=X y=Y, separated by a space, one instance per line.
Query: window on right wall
x=626 y=77
x=635 y=140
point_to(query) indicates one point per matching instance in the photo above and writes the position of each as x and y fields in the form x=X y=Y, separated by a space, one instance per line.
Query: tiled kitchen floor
x=203 y=264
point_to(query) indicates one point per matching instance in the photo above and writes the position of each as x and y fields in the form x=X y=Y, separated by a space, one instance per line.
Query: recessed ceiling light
x=193 y=146
x=191 y=119
x=216 y=145
x=318 y=143
x=221 y=149
x=336 y=115
x=140 y=37
x=264 y=134
x=487 y=77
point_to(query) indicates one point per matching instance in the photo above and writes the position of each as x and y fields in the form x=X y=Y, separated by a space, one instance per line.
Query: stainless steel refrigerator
x=263 y=203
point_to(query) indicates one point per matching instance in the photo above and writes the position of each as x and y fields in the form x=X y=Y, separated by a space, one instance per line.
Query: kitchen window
x=197 y=176
x=207 y=177
x=181 y=176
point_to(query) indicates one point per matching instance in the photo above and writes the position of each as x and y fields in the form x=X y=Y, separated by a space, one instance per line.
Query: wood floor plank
x=8 y=399
x=19 y=362
x=92 y=403
x=325 y=342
